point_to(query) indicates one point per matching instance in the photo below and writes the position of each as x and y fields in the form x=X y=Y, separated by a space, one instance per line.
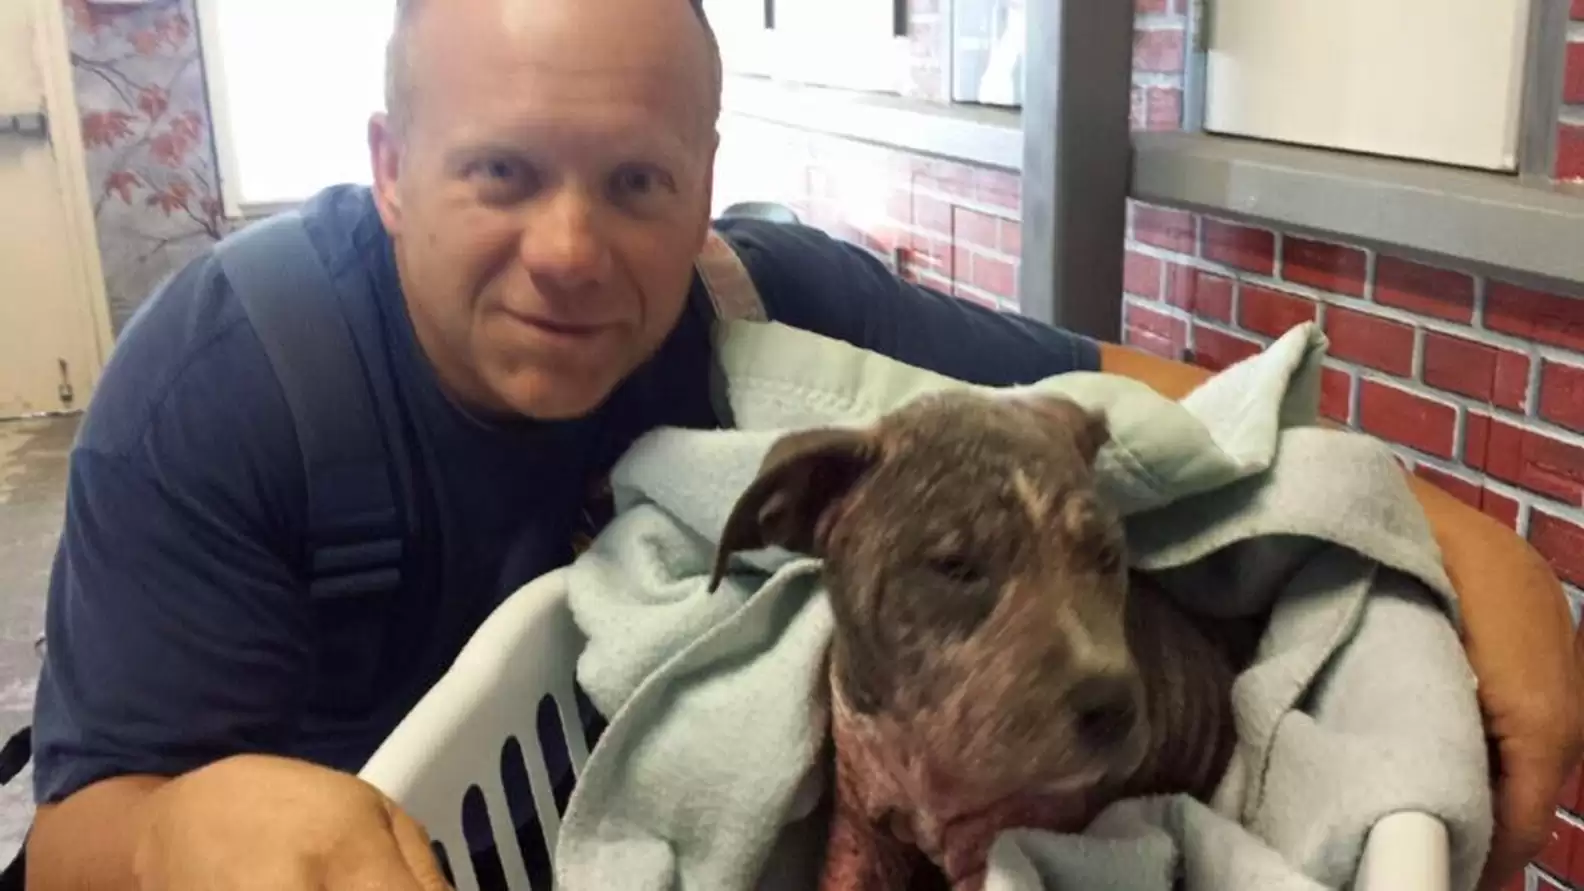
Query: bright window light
x=292 y=84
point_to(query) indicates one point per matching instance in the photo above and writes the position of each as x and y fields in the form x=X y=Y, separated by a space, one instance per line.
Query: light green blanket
x=1359 y=704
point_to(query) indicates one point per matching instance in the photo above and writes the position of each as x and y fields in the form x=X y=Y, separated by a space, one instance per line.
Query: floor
x=32 y=497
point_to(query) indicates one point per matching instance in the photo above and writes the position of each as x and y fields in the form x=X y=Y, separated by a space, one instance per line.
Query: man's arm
x=89 y=841
x=176 y=639
x=1518 y=634
x=811 y=281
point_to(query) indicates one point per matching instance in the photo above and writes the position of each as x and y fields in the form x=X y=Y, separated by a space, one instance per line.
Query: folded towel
x=1359 y=704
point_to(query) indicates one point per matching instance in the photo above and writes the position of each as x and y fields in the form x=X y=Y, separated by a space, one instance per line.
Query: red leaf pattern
x=153 y=101
x=145 y=125
x=106 y=128
x=146 y=42
x=122 y=182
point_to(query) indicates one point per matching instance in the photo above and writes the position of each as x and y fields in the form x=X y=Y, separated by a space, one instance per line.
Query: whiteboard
x=1432 y=80
x=292 y=84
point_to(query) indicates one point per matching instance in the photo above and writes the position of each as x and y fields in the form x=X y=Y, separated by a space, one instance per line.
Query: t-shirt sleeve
x=812 y=281
x=176 y=633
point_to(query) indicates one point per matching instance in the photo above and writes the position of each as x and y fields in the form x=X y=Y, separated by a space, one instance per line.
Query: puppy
x=994 y=663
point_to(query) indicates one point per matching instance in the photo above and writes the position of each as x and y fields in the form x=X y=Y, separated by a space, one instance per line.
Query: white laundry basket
x=453 y=739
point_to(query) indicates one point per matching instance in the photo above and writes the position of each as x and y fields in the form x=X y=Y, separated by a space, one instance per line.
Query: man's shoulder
x=782 y=256
x=810 y=280
x=191 y=359
x=806 y=277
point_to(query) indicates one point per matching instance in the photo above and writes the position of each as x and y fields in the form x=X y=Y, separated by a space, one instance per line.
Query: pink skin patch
x=893 y=805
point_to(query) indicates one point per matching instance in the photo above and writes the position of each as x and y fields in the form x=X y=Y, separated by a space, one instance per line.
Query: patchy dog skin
x=994 y=663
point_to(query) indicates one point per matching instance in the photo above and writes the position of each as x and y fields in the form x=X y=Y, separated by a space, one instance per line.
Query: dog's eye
x=958 y=570
x=1108 y=559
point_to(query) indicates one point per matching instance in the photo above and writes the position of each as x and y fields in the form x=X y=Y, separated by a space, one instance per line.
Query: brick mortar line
x=1469 y=404
x=1572 y=515
x=974 y=204
x=1463 y=404
x=1527 y=501
x=1162 y=307
x=1158 y=79
x=1160 y=21
x=944 y=237
x=996 y=299
x=1464 y=330
x=988 y=253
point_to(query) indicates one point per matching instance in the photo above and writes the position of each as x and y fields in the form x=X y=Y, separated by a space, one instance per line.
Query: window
x=851 y=44
x=1432 y=80
x=987 y=51
x=291 y=86
x=968 y=51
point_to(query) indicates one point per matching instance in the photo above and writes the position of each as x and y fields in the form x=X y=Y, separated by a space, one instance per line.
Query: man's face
x=549 y=193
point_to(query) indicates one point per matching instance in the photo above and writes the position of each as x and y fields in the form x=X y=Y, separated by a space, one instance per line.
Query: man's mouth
x=558 y=328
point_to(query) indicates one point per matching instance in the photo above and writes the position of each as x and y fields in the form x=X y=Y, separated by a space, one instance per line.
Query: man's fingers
x=392 y=857
x=1526 y=798
x=416 y=851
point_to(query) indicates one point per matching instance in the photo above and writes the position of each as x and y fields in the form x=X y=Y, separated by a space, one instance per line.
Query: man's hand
x=1518 y=635
x=272 y=824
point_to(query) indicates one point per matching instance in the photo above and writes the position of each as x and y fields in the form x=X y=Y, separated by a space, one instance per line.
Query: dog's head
x=977 y=580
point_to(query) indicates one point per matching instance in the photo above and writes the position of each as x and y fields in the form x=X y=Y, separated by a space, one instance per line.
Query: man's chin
x=553 y=397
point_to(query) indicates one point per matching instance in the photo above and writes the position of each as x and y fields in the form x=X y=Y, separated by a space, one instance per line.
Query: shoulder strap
x=355 y=530
x=731 y=289
x=735 y=297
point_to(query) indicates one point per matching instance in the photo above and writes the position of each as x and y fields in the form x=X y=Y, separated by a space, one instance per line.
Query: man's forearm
x=88 y=842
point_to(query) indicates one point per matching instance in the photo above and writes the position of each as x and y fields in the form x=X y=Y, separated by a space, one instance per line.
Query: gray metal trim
x=1542 y=88
x=1196 y=64
x=989 y=137
x=1526 y=232
x=1078 y=76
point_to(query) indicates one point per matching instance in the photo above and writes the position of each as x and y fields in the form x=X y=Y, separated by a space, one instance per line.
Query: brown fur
x=993 y=664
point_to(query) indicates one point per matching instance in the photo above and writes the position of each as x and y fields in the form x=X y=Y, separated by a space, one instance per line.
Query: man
x=542 y=188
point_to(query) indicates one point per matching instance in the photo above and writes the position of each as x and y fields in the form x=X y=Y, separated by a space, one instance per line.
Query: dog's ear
x=802 y=478
x=1087 y=427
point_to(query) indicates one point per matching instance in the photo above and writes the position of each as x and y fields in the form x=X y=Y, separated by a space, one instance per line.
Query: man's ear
x=803 y=477
x=1087 y=427
x=385 y=161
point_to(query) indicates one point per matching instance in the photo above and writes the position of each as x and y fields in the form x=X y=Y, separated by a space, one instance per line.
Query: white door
x=54 y=327
x=1431 y=80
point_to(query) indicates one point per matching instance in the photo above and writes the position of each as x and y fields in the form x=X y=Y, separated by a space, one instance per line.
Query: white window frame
x=861 y=53
x=1426 y=80
x=328 y=144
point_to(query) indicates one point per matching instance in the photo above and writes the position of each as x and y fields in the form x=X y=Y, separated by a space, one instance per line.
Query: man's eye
x=640 y=181
x=499 y=169
x=502 y=180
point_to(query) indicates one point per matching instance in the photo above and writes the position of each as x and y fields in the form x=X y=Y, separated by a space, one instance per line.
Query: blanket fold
x=1359 y=704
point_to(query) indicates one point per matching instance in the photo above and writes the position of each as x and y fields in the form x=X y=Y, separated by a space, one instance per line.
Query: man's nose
x=562 y=245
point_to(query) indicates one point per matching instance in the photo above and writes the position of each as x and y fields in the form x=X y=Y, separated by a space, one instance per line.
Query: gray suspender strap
x=735 y=298
x=355 y=528
x=730 y=288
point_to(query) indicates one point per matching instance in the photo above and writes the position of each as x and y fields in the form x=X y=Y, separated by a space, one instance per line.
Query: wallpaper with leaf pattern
x=145 y=121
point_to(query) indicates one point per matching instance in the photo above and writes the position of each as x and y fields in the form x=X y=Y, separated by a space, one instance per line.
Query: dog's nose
x=1106 y=710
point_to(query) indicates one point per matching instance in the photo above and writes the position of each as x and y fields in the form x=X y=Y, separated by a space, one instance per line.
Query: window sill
x=974 y=134
x=1528 y=232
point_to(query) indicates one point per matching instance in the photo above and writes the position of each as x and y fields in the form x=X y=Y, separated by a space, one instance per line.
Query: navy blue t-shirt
x=179 y=626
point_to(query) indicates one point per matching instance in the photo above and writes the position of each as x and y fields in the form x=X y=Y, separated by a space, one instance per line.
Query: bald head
x=399 y=63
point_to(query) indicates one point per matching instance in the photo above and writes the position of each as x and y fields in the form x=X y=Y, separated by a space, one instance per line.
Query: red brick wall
x=1570 y=154
x=1477 y=382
